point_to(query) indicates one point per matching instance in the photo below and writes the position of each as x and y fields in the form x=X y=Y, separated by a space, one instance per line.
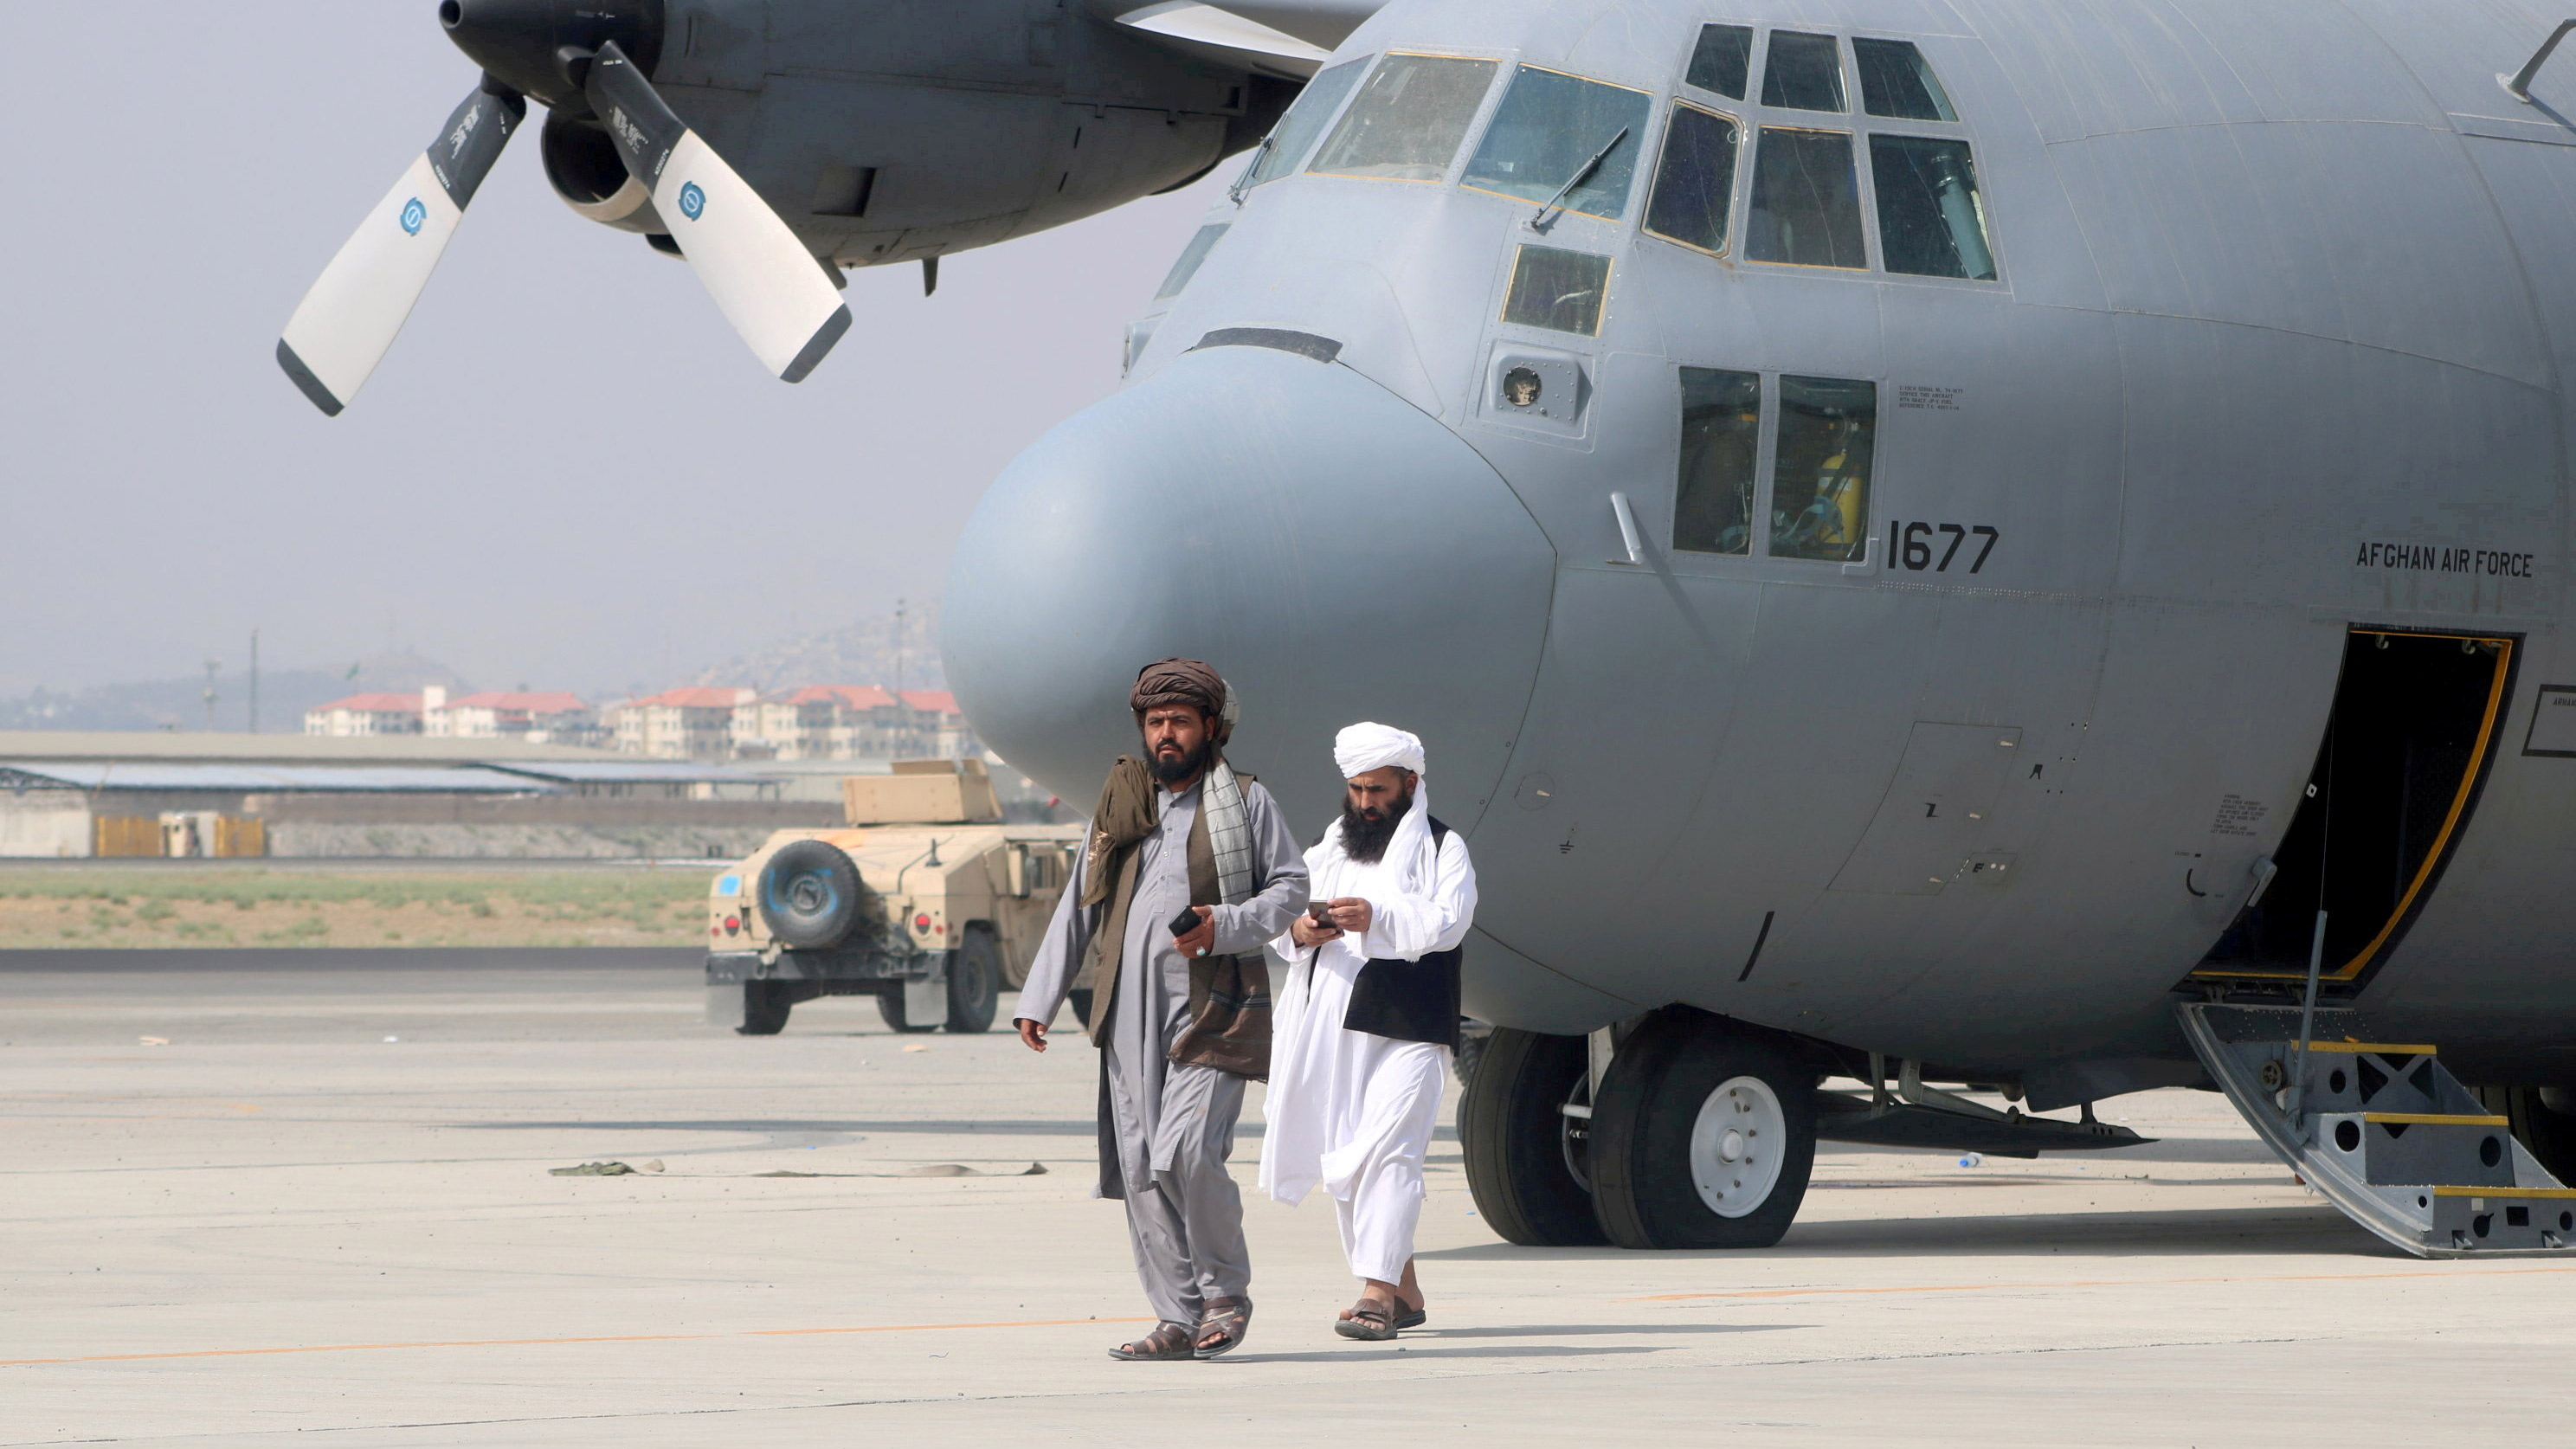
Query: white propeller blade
x=764 y=281
x=341 y=329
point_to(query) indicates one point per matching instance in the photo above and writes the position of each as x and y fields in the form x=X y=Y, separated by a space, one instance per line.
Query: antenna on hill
x=254 y=681
x=211 y=666
x=898 y=649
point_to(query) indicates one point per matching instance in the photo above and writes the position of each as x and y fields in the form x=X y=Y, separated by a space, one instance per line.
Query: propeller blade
x=764 y=281
x=342 y=327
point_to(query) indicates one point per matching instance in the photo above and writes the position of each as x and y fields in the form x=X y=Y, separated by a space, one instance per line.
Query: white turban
x=1413 y=851
x=1365 y=747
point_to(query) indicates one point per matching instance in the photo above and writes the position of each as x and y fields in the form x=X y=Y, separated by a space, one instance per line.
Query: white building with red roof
x=691 y=723
x=816 y=722
x=537 y=717
x=366 y=714
x=938 y=730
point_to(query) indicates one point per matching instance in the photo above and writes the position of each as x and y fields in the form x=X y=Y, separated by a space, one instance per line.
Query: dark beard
x=1363 y=839
x=1171 y=770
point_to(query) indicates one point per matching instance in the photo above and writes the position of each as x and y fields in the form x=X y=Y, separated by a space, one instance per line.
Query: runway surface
x=282 y=1226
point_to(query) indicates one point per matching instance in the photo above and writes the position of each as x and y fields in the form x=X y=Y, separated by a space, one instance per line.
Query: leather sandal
x=1410 y=1317
x=1368 y=1323
x=1230 y=1319
x=1168 y=1341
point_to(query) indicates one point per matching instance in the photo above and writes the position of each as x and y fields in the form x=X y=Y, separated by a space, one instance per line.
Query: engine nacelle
x=879 y=139
x=583 y=167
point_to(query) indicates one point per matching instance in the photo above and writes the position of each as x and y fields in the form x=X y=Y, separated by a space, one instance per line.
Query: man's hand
x=1033 y=1033
x=1305 y=932
x=1350 y=913
x=1200 y=939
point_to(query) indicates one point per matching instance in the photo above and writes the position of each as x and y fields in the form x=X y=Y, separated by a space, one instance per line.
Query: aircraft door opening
x=2407 y=749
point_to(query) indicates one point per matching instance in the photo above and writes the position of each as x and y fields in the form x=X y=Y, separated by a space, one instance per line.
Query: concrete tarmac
x=283 y=1226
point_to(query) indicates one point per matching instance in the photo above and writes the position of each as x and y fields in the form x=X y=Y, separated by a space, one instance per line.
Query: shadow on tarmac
x=2243 y=1232
x=1411 y=1352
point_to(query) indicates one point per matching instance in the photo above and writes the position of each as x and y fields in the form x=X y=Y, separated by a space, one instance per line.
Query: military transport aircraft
x=2011 y=544
x=1932 y=541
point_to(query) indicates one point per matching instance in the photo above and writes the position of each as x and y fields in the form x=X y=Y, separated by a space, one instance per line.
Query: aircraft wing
x=1283 y=37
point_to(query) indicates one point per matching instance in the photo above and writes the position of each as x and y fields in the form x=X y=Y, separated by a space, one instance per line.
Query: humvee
x=927 y=901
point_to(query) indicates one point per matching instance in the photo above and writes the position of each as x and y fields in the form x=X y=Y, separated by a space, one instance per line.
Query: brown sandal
x=1168 y=1341
x=1368 y=1323
x=1229 y=1319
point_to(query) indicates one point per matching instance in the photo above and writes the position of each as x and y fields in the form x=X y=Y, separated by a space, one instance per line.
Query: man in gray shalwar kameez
x=1182 y=1021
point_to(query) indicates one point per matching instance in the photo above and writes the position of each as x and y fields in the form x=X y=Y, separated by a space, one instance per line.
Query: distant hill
x=860 y=653
x=179 y=704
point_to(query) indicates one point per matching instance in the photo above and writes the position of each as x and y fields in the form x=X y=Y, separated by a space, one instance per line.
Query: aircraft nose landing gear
x=1702 y=1136
x=1525 y=1144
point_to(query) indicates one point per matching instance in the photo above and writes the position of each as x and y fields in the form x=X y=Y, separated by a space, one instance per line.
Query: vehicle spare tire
x=810 y=895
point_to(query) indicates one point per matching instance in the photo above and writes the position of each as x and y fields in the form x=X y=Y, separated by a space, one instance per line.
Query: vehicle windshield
x=1548 y=127
x=1409 y=118
x=1895 y=80
x=1695 y=182
x=1931 y=221
x=1805 y=73
x=1286 y=149
x=1721 y=58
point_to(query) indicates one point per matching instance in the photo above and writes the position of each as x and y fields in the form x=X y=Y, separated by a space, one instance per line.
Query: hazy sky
x=568 y=472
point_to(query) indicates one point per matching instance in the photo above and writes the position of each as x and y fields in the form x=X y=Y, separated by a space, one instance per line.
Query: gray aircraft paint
x=1088 y=115
x=2276 y=282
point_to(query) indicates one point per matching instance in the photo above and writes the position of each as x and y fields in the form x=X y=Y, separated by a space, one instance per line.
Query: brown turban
x=1182 y=681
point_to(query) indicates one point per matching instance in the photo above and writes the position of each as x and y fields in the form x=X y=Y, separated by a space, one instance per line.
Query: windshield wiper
x=1581 y=174
x=1234 y=193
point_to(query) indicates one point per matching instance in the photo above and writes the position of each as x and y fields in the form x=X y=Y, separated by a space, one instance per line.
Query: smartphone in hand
x=1186 y=922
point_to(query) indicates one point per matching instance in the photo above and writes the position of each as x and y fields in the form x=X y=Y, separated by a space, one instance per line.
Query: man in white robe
x=1366 y=1022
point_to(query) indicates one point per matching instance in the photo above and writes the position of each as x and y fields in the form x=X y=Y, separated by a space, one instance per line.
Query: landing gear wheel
x=890 y=1008
x=765 y=1005
x=974 y=982
x=1524 y=1154
x=2539 y=1123
x=1703 y=1137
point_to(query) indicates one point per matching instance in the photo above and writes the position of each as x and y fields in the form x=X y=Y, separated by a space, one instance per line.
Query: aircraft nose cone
x=1335 y=552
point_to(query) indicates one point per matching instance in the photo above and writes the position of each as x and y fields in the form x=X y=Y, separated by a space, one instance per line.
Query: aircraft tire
x=1512 y=1130
x=974 y=982
x=2548 y=1133
x=765 y=1005
x=1684 y=1134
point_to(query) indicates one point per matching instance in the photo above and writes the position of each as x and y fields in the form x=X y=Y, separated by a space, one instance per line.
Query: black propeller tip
x=305 y=382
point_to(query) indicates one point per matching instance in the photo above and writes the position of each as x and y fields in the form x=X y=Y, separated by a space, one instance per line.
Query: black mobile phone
x=1320 y=912
x=1186 y=922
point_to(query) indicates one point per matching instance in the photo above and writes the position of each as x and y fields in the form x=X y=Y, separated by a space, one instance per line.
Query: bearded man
x=1368 y=1020
x=1182 y=1019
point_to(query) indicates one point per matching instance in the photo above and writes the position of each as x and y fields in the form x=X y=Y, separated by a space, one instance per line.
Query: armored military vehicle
x=927 y=901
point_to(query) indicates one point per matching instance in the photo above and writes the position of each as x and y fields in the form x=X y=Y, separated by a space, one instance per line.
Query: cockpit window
x=1720 y=59
x=1895 y=80
x=1931 y=222
x=1820 y=471
x=1295 y=134
x=1559 y=290
x=1548 y=132
x=1806 y=204
x=1805 y=72
x=1188 y=265
x=1409 y=118
x=1695 y=181
x=1721 y=435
